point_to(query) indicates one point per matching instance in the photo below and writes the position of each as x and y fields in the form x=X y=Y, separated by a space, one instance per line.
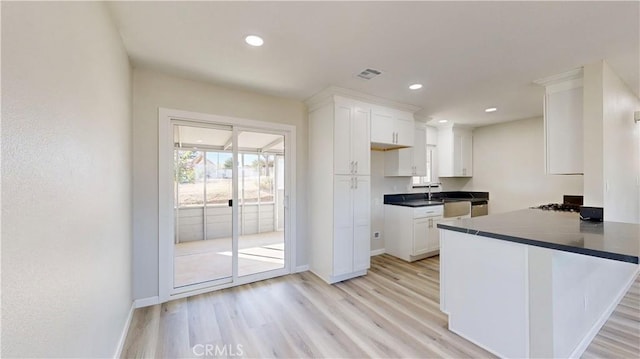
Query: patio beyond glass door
x=229 y=205
x=261 y=194
x=203 y=215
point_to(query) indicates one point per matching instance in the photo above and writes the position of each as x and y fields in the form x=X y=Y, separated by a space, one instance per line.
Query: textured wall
x=66 y=181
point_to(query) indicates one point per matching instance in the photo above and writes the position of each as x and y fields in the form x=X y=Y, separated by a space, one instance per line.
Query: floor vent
x=368 y=74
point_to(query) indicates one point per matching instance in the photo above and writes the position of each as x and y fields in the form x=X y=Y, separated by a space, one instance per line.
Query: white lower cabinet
x=352 y=224
x=433 y=238
x=420 y=235
x=412 y=232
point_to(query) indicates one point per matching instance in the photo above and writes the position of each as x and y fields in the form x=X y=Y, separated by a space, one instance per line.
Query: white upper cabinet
x=351 y=142
x=420 y=151
x=432 y=136
x=563 y=123
x=408 y=161
x=455 y=152
x=391 y=128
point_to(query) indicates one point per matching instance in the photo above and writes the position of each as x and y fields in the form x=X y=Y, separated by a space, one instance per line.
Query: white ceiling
x=468 y=55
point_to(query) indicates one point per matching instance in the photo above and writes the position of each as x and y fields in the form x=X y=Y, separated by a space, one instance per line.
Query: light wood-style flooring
x=391 y=312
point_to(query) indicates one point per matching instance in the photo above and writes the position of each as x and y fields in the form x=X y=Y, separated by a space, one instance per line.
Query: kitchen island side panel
x=485 y=284
x=518 y=300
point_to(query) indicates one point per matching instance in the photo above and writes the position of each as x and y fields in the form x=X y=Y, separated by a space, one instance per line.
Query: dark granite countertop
x=417 y=203
x=437 y=198
x=557 y=230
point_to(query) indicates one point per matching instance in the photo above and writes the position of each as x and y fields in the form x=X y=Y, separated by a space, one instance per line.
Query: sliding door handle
x=230 y=203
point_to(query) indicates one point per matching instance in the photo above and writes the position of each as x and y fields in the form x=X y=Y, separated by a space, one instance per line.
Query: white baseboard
x=303 y=268
x=125 y=330
x=146 y=302
x=584 y=344
x=377 y=252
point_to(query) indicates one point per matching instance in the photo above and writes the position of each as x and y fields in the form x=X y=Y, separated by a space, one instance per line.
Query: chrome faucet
x=431 y=184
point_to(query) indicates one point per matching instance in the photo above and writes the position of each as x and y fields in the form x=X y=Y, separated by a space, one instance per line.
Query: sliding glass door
x=229 y=211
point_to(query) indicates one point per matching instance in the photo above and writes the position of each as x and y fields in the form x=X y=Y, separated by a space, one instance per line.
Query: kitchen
x=470 y=58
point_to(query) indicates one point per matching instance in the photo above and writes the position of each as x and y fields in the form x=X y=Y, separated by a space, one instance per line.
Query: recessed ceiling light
x=199 y=141
x=443 y=121
x=415 y=86
x=254 y=40
x=490 y=109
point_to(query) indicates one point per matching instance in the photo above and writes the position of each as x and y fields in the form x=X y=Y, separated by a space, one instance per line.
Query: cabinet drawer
x=428 y=211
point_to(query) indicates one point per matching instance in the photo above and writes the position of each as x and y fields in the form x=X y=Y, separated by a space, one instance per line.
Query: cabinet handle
x=351 y=167
x=351 y=182
x=430 y=223
x=356 y=171
x=355 y=179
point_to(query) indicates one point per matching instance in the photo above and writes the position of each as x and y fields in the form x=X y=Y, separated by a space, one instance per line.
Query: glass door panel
x=203 y=162
x=261 y=240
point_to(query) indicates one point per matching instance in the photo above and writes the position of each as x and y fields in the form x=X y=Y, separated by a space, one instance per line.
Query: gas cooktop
x=570 y=203
x=564 y=207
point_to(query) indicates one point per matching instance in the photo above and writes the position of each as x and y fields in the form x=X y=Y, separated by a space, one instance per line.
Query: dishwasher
x=479 y=209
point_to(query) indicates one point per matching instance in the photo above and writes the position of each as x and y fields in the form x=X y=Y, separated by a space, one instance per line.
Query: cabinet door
x=361 y=140
x=404 y=128
x=342 y=140
x=342 y=225
x=361 y=222
x=420 y=152
x=420 y=229
x=433 y=234
x=399 y=162
x=457 y=153
x=564 y=131
x=466 y=154
x=462 y=153
x=432 y=136
x=382 y=128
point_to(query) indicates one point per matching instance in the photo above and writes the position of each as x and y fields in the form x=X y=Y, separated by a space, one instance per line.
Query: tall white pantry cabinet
x=339 y=188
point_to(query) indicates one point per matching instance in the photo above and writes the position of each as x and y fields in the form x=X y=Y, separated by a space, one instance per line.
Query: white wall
x=508 y=162
x=612 y=148
x=66 y=172
x=152 y=90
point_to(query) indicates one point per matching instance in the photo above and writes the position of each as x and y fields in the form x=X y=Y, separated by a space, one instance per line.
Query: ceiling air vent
x=368 y=74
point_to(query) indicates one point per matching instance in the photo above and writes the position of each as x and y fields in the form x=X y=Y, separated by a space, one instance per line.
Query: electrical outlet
x=376 y=235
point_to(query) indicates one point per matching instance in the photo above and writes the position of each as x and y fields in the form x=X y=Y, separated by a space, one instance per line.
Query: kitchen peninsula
x=534 y=283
